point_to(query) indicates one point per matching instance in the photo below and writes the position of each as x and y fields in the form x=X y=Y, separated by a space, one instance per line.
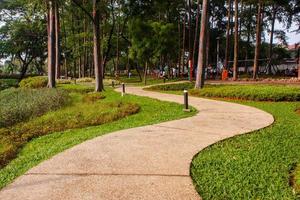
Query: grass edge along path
x=42 y=148
x=256 y=165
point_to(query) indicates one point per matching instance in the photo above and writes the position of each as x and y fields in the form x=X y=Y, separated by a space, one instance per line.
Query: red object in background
x=191 y=70
x=225 y=75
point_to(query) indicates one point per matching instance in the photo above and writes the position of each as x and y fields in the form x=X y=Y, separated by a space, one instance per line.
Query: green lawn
x=7 y=83
x=252 y=166
x=257 y=92
x=44 y=147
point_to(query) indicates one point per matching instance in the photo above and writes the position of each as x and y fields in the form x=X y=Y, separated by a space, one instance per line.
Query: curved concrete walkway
x=151 y=162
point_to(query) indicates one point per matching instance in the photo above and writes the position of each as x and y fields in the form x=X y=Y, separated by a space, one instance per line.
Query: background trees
x=94 y=38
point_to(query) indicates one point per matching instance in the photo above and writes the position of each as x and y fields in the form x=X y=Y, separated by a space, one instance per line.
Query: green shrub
x=78 y=116
x=18 y=105
x=34 y=82
x=7 y=83
x=274 y=93
x=93 y=97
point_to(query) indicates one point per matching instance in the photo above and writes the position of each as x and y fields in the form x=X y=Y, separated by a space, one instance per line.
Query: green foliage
x=253 y=166
x=85 y=80
x=7 y=83
x=45 y=147
x=18 y=105
x=243 y=92
x=34 y=82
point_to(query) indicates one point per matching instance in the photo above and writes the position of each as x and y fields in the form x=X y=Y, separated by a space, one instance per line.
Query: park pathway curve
x=145 y=163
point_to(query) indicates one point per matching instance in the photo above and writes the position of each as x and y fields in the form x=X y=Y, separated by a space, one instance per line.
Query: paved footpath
x=151 y=162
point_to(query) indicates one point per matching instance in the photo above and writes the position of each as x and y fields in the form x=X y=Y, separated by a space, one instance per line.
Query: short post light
x=113 y=84
x=123 y=89
x=186 y=101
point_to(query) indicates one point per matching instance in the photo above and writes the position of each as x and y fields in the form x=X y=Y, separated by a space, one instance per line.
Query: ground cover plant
x=41 y=148
x=7 y=83
x=256 y=165
x=295 y=180
x=242 y=92
x=18 y=105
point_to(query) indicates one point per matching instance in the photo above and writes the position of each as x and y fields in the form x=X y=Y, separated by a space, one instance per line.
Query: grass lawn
x=257 y=165
x=44 y=147
x=241 y=92
x=7 y=83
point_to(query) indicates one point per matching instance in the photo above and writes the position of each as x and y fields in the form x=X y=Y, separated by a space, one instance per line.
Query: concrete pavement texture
x=145 y=163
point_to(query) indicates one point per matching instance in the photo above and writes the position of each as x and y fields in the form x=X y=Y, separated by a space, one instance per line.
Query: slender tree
x=51 y=43
x=258 y=40
x=57 y=43
x=226 y=63
x=236 y=40
x=202 y=49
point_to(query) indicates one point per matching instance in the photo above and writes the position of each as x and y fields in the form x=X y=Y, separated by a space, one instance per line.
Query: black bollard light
x=113 y=84
x=164 y=79
x=123 y=89
x=186 y=101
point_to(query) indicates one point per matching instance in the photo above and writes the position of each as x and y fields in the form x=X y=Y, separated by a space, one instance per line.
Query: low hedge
x=34 y=82
x=274 y=93
x=18 y=105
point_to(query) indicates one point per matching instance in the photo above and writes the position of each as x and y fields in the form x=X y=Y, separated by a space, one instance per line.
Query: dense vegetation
x=143 y=35
x=296 y=179
x=18 y=105
x=242 y=92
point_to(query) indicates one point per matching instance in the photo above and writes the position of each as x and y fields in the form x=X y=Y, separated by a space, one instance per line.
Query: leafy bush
x=18 y=105
x=34 y=82
x=77 y=116
x=93 y=97
x=243 y=92
x=7 y=83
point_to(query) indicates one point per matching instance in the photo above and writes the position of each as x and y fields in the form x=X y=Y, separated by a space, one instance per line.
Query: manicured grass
x=42 y=148
x=135 y=80
x=252 y=166
x=241 y=92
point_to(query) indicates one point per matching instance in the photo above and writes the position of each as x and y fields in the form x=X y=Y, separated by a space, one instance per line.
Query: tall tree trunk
x=196 y=32
x=202 y=49
x=145 y=73
x=183 y=43
x=97 y=46
x=226 y=63
x=274 y=9
x=118 y=44
x=180 y=50
x=236 y=40
x=51 y=44
x=57 y=43
x=248 y=41
x=190 y=34
x=258 y=40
